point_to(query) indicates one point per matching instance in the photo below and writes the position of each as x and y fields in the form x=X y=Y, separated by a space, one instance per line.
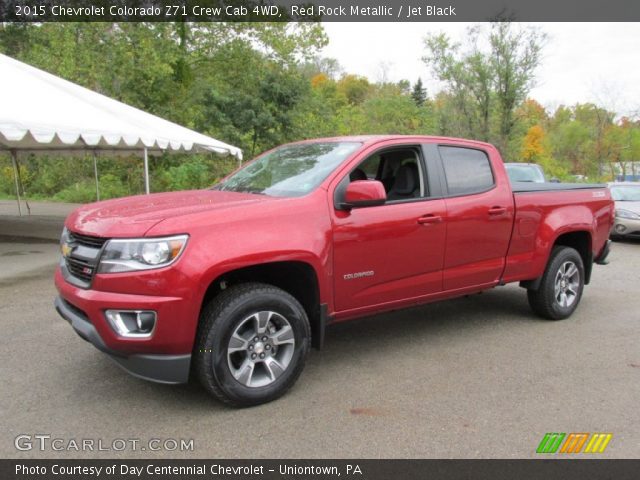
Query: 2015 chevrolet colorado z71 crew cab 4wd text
x=236 y=283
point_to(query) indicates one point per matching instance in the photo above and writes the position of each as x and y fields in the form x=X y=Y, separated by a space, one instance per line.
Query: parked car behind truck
x=235 y=283
x=626 y=196
x=525 y=172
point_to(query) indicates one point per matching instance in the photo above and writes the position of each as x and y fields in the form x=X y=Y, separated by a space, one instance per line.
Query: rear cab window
x=466 y=170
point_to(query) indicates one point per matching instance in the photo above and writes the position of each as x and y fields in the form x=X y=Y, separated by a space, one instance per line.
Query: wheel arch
x=581 y=241
x=296 y=277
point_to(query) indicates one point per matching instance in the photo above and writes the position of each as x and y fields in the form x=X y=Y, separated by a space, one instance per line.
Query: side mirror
x=364 y=193
x=554 y=180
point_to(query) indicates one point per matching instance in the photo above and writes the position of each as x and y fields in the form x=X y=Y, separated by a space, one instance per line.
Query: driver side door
x=392 y=253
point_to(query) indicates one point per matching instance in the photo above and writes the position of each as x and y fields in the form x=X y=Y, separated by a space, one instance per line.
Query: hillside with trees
x=257 y=85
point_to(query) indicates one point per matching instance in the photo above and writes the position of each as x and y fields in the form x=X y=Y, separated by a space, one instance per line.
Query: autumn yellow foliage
x=319 y=80
x=533 y=144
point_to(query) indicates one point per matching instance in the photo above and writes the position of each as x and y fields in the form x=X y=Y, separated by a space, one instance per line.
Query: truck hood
x=134 y=216
x=631 y=206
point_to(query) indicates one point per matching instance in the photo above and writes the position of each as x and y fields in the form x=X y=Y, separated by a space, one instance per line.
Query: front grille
x=82 y=262
x=80 y=269
x=86 y=240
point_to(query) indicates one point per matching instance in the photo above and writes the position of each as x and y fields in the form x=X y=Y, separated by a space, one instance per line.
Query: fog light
x=145 y=321
x=620 y=228
x=132 y=323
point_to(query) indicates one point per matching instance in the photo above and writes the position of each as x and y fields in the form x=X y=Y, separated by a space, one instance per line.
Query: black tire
x=219 y=321
x=544 y=301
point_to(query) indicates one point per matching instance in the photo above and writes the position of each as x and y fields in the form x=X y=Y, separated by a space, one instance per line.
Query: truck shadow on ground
x=446 y=320
x=627 y=241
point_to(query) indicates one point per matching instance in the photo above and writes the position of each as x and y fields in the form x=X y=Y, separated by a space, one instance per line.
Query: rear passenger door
x=479 y=217
x=393 y=252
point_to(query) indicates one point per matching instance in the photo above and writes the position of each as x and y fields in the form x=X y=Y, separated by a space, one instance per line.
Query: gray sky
x=582 y=62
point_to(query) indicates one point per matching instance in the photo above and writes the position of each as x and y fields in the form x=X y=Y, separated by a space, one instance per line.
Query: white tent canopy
x=40 y=112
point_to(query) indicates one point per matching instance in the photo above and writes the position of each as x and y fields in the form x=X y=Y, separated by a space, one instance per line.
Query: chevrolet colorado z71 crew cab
x=234 y=284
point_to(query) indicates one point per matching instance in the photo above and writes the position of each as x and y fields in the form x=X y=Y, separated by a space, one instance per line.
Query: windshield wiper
x=257 y=191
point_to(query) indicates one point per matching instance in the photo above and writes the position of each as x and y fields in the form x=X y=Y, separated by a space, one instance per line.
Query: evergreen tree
x=419 y=93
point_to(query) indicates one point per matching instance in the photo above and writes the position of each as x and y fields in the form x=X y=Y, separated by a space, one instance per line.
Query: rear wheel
x=252 y=344
x=561 y=287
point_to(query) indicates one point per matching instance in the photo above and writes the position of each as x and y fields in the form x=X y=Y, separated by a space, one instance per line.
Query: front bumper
x=157 y=368
x=164 y=357
x=626 y=228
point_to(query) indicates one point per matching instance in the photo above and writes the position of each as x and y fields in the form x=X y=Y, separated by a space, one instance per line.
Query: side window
x=466 y=170
x=367 y=170
x=399 y=171
x=371 y=165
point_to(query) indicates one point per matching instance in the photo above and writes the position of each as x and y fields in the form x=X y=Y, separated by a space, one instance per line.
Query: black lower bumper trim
x=602 y=258
x=156 y=368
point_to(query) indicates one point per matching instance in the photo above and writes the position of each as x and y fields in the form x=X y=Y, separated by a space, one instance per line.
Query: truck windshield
x=290 y=170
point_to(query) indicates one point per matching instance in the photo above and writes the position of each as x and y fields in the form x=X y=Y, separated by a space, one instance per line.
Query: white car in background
x=525 y=172
x=627 y=220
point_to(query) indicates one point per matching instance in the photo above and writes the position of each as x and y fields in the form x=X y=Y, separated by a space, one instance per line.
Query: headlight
x=621 y=213
x=65 y=248
x=140 y=254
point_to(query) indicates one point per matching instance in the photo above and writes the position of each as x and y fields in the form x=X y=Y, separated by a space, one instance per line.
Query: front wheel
x=561 y=287
x=252 y=344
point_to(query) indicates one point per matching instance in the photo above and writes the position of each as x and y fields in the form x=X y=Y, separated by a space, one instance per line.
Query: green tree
x=354 y=88
x=466 y=75
x=487 y=79
x=515 y=55
x=256 y=108
x=571 y=142
x=419 y=93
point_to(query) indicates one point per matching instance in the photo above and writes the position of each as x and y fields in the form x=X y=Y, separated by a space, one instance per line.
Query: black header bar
x=319 y=10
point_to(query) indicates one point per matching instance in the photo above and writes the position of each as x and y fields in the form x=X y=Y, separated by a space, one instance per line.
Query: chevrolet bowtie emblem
x=66 y=249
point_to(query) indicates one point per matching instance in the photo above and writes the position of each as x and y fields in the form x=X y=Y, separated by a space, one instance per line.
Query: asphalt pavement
x=476 y=377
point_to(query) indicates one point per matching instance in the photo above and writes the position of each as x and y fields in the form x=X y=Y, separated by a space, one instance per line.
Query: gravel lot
x=477 y=377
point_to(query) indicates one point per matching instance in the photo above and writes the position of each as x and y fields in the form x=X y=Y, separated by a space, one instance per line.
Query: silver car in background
x=525 y=172
x=627 y=221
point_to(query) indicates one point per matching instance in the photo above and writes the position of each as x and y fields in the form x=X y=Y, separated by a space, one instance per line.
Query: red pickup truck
x=234 y=284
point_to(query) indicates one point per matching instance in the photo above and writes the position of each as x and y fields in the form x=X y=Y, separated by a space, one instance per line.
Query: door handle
x=430 y=218
x=497 y=210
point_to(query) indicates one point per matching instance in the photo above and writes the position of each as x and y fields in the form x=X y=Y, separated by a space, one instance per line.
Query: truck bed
x=523 y=187
x=546 y=211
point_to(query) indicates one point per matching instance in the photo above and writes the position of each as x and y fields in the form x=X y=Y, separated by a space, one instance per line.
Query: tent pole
x=15 y=177
x=95 y=171
x=146 y=171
